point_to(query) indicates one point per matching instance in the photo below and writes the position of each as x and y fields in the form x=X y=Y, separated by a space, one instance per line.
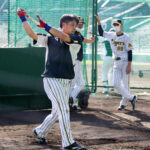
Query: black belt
x=117 y=58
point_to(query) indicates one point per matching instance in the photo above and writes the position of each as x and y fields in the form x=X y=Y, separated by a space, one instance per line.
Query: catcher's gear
x=83 y=98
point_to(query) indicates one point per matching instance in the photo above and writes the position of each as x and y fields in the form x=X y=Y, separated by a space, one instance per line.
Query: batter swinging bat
x=37 y=23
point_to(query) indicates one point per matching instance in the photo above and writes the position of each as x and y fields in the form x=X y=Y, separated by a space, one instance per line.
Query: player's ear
x=121 y=26
x=63 y=24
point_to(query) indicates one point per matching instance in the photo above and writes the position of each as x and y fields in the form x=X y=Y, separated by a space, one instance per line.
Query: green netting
x=134 y=13
x=50 y=11
x=132 y=1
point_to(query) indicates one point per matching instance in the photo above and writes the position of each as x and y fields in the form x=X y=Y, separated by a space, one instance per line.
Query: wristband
x=23 y=18
x=47 y=27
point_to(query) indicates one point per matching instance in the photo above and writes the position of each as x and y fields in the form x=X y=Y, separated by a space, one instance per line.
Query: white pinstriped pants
x=121 y=81
x=57 y=91
x=78 y=82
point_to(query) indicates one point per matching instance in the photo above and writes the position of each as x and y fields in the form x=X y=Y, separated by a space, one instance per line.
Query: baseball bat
x=34 y=21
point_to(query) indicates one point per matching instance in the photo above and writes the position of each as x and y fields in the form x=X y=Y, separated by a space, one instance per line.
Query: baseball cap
x=119 y=22
x=81 y=20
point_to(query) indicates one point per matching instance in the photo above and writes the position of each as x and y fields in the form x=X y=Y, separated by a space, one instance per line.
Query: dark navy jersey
x=80 y=53
x=60 y=56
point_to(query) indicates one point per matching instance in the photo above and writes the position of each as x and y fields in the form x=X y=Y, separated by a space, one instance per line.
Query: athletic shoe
x=133 y=102
x=40 y=140
x=105 y=92
x=122 y=107
x=74 y=146
x=111 y=89
x=76 y=108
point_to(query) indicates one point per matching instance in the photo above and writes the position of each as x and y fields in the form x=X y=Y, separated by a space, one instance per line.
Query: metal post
x=84 y=47
x=8 y=36
x=16 y=7
x=95 y=33
x=94 y=48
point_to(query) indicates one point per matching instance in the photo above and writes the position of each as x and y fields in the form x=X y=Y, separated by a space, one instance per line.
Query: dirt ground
x=100 y=127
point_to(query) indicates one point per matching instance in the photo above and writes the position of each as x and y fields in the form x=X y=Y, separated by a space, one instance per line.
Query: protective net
x=50 y=11
x=136 y=20
x=3 y=22
x=134 y=14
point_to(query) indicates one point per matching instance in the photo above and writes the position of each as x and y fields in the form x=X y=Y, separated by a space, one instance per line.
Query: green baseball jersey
x=108 y=48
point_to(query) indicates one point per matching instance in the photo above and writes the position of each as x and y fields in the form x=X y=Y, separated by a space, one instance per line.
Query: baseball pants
x=121 y=81
x=78 y=82
x=107 y=69
x=57 y=91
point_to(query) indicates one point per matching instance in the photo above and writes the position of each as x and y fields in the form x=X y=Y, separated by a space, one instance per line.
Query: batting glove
x=43 y=24
x=22 y=14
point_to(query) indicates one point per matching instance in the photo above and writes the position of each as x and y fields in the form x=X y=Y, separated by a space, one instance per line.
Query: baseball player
x=61 y=52
x=107 y=69
x=78 y=82
x=122 y=49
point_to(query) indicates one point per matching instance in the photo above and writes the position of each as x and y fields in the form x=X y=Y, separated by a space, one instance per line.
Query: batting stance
x=122 y=49
x=78 y=81
x=61 y=52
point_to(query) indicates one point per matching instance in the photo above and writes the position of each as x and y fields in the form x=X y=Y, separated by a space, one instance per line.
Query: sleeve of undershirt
x=130 y=55
x=128 y=44
x=100 y=30
x=42 y=40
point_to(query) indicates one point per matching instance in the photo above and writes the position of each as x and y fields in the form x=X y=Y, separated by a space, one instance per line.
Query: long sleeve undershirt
x=100 y=30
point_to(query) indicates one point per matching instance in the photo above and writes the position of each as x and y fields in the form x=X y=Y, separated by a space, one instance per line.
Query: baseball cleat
x=122 y=107
x=133 y=102
x=74 y=146
x=105 y=91
x=40 y=140
x=111 y=89
x=76 y=108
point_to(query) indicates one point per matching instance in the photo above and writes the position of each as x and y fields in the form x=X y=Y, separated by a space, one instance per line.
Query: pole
x=8 y=36
x=94 y=48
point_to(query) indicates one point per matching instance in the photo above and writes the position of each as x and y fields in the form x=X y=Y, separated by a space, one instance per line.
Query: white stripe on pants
x=121 y=79
x=58 y=92
x=78 y=82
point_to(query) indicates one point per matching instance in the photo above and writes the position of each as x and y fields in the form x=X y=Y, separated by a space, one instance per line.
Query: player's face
x=117 y=27
x=80 y=25
x=70 y=27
